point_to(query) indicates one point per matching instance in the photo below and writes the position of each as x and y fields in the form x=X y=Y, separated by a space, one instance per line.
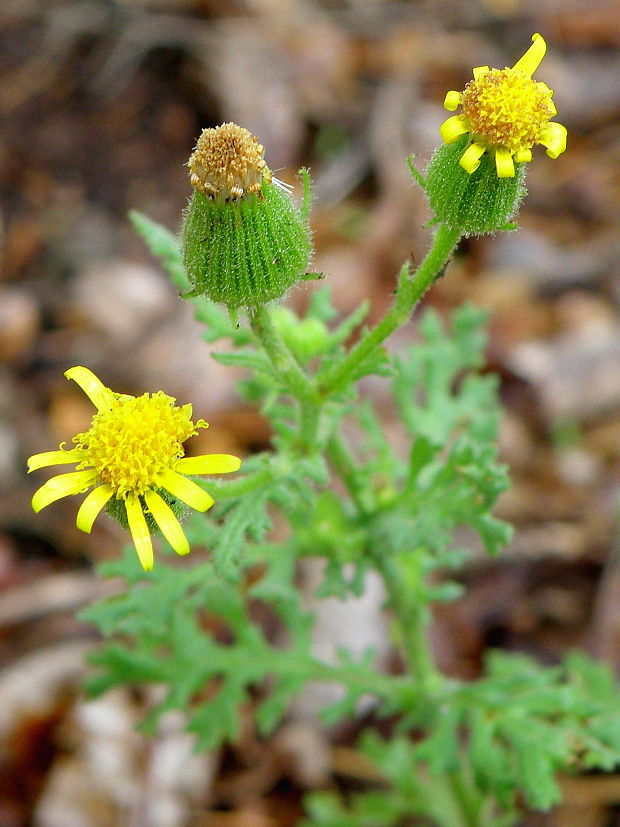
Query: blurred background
x=101 y=102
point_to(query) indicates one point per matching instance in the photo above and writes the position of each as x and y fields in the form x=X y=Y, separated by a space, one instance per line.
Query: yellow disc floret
x=505 y=113
x=507 y=108
x=130 y=444
x=228 y=163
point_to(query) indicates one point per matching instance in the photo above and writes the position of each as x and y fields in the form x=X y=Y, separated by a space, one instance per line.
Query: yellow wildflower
x=505 y=112
x=132 y=453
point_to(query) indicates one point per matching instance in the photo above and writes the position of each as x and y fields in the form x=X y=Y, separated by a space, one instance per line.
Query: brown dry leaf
x=55 y=593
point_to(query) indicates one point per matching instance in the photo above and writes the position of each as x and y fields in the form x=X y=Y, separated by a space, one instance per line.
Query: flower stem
x=470 y=800
x=345 y=466
x=409 y=293
x=309 y=421
x=412 y=619
x=360 y=679
x=243 y=484
x=444 y=803
x=295 y=380
x=411 y=615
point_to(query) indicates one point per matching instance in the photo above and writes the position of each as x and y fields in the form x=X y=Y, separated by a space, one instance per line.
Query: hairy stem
x=296 y=381
x=412 y=619
x=294 y=378
x=243 y=484
x=345 y=466
x=445 y=805
x=409 y=294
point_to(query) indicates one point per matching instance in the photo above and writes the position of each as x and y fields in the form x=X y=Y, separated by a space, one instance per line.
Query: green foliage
x=511 y=731
x=535 y=721
x=192 y=632
x=163 y=245
x=349 y=494
x=452 y=416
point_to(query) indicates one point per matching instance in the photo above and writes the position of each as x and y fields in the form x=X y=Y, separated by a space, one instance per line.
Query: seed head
x=228 y=163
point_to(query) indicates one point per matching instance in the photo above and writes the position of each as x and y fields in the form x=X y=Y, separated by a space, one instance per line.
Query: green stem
x=309 y=421
x=295 y=380
x=363 y=681
x=455 y=788
x=456 y=804
x=409 y=294
x=229 y=489
x=469 y=800
x=444 y=805
x=412 y=619
x=345 y=466
x=411 y=615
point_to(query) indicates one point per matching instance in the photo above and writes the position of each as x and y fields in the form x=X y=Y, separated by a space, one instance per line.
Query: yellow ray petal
x=92 y=505
x=101 y=397
x=61 y=457
x=504 y=164
x=186 y=490
x=531 y=59
x=470 y=159
x=523 y=156
x=168 y=523
x=139 y=531
x=451 y=129
x=452 y=101
x=61 y=486
x=208 y=464
x=553 y=136
x=479 y=71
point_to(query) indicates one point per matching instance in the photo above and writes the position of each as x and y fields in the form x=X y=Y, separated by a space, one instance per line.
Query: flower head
x=132 y=457
x=505 y=113
x=244 y=239
x=228 y=163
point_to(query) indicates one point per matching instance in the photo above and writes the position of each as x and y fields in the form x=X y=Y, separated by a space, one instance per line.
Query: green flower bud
x=475 y=202
x=306 y=339
x=244 y=240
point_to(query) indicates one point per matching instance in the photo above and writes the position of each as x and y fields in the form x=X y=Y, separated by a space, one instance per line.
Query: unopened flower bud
x=307 y=338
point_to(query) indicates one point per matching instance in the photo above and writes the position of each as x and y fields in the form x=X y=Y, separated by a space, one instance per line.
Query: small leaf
x=163 y=245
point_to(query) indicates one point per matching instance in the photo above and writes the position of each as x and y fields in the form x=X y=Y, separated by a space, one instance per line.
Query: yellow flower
x=132 y=453
x=506 y=113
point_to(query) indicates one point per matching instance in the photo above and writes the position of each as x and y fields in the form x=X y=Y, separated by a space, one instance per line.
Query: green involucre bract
x=474 y=203
x=247 y=251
